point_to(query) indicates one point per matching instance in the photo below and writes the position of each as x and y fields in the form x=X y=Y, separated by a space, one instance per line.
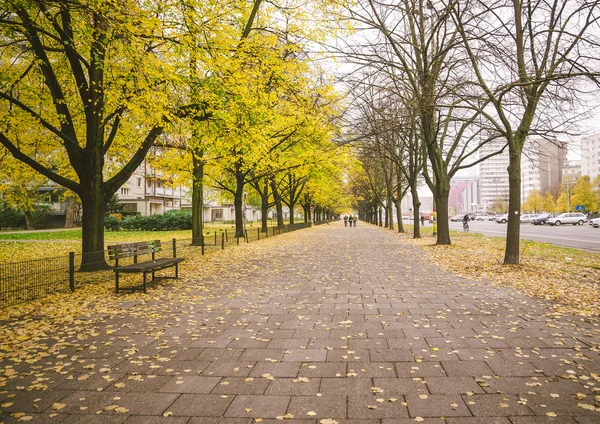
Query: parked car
x=527 y=217
x=457 y=218
x=492 y=217
x=501 y=219
x=574 y=218
x=541 y=220
x=595 y=222
x=480 y=217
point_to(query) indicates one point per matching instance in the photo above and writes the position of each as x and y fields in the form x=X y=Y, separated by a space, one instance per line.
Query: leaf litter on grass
x=569 y=276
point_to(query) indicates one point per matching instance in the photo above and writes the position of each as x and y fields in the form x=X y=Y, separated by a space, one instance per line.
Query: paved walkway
x=321 y=325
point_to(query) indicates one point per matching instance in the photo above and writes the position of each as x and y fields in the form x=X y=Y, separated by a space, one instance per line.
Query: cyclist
x=466 y=220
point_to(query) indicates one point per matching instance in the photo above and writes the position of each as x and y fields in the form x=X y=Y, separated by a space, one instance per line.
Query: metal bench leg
x=144 y=282
x=152 y=275
x=176 y=270
x=117 y=282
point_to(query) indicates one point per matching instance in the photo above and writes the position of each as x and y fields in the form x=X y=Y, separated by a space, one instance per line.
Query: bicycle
x=466 y=226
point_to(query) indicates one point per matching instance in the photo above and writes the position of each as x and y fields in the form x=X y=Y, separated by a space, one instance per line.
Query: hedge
x=171 y=220
x=11 y=218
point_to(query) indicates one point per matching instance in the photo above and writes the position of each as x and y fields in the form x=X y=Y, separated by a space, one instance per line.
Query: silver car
x=574 y=218
x=501 y=219
x=528 y=217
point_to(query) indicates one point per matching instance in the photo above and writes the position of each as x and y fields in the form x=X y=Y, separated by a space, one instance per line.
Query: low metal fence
x=24 y=281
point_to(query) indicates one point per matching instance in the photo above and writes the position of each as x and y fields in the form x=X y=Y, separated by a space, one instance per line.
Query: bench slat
x=149 y=265
x=126 y=250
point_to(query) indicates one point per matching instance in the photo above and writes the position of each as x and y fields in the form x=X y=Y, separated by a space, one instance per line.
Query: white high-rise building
x=590 y=155
x=541 y=169
x=493 y=174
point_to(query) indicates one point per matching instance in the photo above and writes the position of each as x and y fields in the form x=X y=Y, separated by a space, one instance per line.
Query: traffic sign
x=579 y=207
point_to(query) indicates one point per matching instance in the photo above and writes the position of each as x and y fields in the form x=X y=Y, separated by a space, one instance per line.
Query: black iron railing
x=24 y=281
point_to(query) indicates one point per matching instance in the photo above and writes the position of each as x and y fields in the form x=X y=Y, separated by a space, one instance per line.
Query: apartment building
x=148 y=192
x=542 y=166
x=571 y=172
x=493 y=174
x=590 y=155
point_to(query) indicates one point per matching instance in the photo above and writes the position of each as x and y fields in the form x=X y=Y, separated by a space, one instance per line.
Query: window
x=149 y=183
x=139 y=182
x=218 y=214
x=124 y=191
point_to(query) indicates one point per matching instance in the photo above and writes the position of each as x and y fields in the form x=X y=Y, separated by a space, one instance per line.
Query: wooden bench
x=126 y=250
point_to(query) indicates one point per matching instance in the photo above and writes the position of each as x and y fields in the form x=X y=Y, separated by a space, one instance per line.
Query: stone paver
x=353 y=325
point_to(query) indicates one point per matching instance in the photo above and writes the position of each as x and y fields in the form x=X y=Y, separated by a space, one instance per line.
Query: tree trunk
x=264 y=207
x=380 y=214
x=386 y=219
x=416 y=211
x=92 y=234
x=399 y=215
x=70 y=209
x=390 y=212
x=443 y=228
x=238 y=202
x=292 y=205
x=197 y=200
x=278 y=203
x=513 y=230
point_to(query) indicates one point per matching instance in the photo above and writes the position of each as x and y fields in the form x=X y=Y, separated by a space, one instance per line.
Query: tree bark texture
x=197 y=200
x=278 y=203
x=513 y=229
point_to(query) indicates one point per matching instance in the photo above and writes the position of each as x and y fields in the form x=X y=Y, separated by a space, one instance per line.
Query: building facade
x=571 y=172
x=149 y=193
x=493 y=174
x=590 y=155
x=542 y=166
x=464 y=194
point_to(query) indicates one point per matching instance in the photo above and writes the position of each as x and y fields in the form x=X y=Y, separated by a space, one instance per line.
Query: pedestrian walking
x=350 y=220
x=345 y=220
x=355 y=219
x=422 y=221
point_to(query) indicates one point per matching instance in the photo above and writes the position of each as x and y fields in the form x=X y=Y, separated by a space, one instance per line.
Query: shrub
x=111 y=223
x=11 y=218
x=40 y=217
x=172 y=220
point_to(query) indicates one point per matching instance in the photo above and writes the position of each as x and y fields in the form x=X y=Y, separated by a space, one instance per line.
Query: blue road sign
x=579 y=207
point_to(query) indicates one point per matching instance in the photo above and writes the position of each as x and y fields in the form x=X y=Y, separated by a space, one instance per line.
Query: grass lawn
x=36 y=245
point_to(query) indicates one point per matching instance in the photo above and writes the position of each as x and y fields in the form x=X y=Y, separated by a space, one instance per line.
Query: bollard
x=222 y=241
x=258 y=232
x=174 y=248
x=72 y=271
x=215 y=238
x=246 y=235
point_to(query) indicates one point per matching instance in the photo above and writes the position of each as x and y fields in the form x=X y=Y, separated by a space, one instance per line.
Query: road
x=581 y=237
